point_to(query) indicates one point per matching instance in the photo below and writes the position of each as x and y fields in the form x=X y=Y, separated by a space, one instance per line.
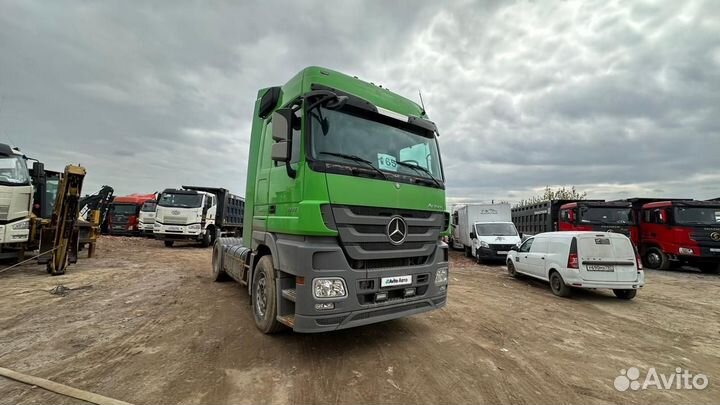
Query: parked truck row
x=667 y=232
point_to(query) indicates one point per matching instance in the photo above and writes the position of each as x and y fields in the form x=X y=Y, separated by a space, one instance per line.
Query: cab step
x=287 y=320
x=289 y=294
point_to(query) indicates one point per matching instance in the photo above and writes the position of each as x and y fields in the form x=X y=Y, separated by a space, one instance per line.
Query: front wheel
x=511 y=269
x=625 y=294
x=656 y=259
x=557 y=285
x=264 y=303
x=169 y=243
x=205 y=241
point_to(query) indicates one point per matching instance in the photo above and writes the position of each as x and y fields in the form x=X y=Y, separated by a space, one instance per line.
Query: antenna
x=421 y=102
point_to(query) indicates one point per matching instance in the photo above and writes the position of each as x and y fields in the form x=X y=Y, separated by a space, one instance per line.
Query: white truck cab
x=185 y=215
x=16 y=192
x=493 y=240
x=585 y=259
x=146 y=218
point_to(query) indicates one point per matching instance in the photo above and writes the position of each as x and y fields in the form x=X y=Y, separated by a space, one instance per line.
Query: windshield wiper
x=420 y=168
x=356 y=159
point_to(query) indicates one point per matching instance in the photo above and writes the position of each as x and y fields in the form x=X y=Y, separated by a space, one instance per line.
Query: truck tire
x=625 y=294
x=264 y=296
x=709 y=268
x=656 y=259
x=468 y=251
x=169 y=243
x=557 y=285
x=218 y=259
x=205 y=241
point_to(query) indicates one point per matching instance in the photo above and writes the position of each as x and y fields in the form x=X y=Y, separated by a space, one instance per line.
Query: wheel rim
x=653 y=259
x=261 y=296
x=555 y=282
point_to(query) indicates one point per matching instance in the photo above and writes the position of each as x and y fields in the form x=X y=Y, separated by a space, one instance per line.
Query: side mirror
x=515 y=248
x=282 y=135
x=472 y=235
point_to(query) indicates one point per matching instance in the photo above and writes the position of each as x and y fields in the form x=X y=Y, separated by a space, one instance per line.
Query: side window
x=540 y=245
x=525 y=247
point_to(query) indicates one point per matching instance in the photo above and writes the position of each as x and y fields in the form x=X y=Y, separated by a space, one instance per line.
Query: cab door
x=537 y=257
x=262 y=181
x=521 y=256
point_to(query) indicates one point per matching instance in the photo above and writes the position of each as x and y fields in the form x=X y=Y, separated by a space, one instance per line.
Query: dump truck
x=16 y=196
x=344 y=204
x=197 y=214
x=124 y=213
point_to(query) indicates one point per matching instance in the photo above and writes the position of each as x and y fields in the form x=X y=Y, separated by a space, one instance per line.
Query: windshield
x=14 y=171
x=385 y=147
x=148 y=207
x=605 y=215
x=697 y=215
x=124 y=209
x=180 y=200
x=500 y=229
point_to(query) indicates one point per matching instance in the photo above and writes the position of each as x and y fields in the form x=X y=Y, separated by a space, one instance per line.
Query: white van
x=581 y=260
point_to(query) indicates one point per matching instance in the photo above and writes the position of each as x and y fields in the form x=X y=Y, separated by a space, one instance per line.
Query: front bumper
x=492 y=253
x=323 y=257
x=10 y=235
x=175 y=232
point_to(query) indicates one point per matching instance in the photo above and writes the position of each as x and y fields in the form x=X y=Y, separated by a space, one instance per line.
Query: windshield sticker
x=387 y=162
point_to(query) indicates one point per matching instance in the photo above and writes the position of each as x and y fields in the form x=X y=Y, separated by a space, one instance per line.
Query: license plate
x=394 y=281
x=173 y=228
x=502 y=252
x=714 y=250
x=600 y=267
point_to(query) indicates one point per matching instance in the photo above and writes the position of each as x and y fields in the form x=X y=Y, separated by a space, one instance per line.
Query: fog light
x=685 y=251
x=381 y=296
x=195 y=227
x=325 y=306
x=409 y=292
x=442 y=289
x=329 y=288
x=441 y=276
x=21 y=225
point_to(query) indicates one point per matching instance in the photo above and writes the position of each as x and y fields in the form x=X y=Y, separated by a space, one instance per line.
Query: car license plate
x=394 y=281
x=173 y=228
x=714 y=250
x=502 y=252
x=600 y=267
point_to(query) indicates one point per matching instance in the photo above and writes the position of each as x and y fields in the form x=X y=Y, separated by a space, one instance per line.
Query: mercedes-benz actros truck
x=344 y=207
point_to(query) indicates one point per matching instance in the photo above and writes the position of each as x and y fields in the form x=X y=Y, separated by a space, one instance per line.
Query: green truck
x=344 y=207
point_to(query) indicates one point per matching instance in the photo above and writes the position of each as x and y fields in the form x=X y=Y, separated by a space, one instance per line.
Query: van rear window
x=617 y=248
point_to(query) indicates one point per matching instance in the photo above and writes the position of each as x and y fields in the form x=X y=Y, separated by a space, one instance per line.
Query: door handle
x=543 y=258
x=272 y=209
x=526 y=256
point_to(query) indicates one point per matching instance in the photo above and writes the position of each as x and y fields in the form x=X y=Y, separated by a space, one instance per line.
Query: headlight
x=441 y=276
x=21 y=225
x=685 y=251
x=329 y=288
x=195 y=227
x=484 y=244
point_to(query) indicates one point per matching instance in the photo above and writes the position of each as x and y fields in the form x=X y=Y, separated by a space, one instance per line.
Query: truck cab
x=16 y=194
x=185 y=215
x=345 y=207
x=602 y=216
x=681 y=232
x=124 y=214
x=146 y=219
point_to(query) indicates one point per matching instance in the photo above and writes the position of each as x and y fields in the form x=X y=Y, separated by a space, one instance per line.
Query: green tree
x=548 y=194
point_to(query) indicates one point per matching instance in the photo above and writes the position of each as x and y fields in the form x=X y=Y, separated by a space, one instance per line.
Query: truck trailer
x=197 y=214
x=345 y=204
x=484 y=231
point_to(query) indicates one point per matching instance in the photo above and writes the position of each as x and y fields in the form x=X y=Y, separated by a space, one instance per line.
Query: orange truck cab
x=124 y=212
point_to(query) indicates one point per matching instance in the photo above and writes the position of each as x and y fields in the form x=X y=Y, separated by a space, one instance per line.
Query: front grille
x=174 y=220
x=503 y=247
x=363 y=235
x=330 y=321
x=119 y=219
x=392 y=310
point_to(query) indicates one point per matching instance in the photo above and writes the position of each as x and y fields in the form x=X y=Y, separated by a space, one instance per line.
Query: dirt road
x=145 y=324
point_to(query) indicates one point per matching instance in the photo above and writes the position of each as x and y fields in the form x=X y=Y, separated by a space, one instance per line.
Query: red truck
x=124 y=211
x=566 y=215
x=677 y=232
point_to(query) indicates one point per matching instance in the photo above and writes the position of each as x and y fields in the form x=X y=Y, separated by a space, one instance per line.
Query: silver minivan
x=580 y=260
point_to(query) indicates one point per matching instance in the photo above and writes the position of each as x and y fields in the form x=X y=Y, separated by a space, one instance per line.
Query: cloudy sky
x=618 y=98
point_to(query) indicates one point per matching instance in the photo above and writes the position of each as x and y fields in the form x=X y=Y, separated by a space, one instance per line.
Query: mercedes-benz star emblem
x=397 y=230
x=715 y=236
